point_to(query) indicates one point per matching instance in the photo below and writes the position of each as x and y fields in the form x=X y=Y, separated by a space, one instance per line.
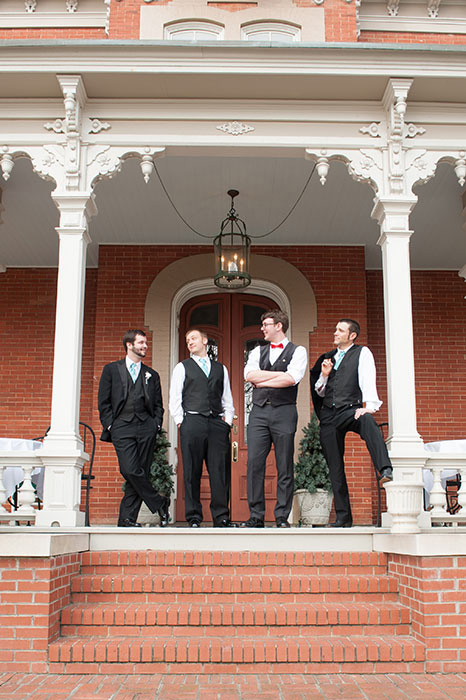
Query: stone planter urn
x=313 y=508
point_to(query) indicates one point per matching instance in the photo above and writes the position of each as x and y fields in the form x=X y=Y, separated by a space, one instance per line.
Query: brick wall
x=411 y=38
x=433 y=587
x=27 y=333
x=33 y=592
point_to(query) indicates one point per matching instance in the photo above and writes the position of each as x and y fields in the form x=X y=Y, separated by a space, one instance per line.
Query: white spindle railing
x=436 y=465
x=26 y=495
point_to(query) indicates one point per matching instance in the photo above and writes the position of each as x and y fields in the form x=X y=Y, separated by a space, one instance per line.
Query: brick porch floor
x=228 y=687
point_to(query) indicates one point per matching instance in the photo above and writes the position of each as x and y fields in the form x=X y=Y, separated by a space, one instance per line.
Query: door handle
x=234 y=452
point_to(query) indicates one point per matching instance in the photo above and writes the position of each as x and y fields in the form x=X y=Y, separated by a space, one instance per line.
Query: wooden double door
x=232 y=322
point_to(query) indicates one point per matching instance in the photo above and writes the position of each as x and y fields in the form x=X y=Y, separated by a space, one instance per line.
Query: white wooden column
x=63 y=453
x=404 y=494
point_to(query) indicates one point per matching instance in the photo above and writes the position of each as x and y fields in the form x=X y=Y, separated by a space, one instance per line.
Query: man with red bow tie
x=275 y=370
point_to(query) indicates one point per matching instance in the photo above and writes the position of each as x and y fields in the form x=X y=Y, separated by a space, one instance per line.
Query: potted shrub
x=313 y=490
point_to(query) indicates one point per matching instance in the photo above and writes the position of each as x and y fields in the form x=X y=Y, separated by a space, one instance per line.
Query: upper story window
x=194 y=30
x=270 y=31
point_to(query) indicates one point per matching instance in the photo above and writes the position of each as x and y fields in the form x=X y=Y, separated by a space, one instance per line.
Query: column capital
x=76 y=208
x=392 y=213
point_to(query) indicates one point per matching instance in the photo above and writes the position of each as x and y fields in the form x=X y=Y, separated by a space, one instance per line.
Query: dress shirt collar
x=130 y=362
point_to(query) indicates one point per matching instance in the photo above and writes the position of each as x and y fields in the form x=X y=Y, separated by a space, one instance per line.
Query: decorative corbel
x=393 y=7
x=71 y=5
x=433 y=8
x=30 y=5
x=74 y=99
x=395 y=103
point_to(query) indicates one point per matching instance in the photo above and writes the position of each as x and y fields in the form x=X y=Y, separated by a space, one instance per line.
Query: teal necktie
x=340 y=355
x=133 y=371
x=204 y=366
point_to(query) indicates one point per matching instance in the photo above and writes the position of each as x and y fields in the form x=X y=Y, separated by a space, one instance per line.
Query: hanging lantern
x=231 y=250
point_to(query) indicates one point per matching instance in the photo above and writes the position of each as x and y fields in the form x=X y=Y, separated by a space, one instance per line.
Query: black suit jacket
x=113 y=390
x=314 y=376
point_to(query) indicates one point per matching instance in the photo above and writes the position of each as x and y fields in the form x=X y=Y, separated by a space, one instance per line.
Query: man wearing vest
x=131 y=411
x=275 y=369
x=345 y=395
x=201 y=405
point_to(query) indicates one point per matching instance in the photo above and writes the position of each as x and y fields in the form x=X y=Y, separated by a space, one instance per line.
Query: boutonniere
x=147 y=376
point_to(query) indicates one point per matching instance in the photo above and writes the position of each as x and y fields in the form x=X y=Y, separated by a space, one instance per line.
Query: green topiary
x=311 y=471
x=161 y=474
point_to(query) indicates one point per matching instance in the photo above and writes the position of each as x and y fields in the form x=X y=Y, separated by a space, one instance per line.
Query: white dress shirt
x=296 y=367
x=131 y=362
x=366 y=377
x=176 y=392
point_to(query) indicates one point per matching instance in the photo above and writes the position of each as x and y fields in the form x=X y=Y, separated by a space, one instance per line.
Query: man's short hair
x=130 y=336
x=277 y=316
x=199 y=330
x=353 y=326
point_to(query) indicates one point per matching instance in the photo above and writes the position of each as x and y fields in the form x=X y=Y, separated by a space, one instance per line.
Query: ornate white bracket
x=364 y=165
x=75 y=98
x=104 y=161
x=372 y=130
x=395 y=103
x=433 y=8
x=235 y=128
x=393 y=7
x=71 y=5
x=30 y=5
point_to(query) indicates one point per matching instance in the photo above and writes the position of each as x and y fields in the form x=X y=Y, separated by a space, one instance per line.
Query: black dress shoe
x=252 y=522
x=163 y=513
x=386 y=475
x=342 y=523
x=127 y=522
x=225 y=523
x=281 y=522
x=194 y=523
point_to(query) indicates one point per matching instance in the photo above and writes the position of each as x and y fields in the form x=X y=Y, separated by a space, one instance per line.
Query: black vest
x=203 y=394
x=277 y=397
x=343 y=384
x=135 y=404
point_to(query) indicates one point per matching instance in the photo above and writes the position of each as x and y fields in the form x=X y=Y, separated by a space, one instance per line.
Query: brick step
x=85 y=587
x=282 y=619
x=219 y=654
x=286 y=563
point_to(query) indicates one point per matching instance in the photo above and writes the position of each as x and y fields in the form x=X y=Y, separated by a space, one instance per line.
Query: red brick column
x=32 y=593
x=340 y=19
x=435 y=590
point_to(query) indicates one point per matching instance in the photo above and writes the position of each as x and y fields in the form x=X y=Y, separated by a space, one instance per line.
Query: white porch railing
x=437 y=465
x=26 y=494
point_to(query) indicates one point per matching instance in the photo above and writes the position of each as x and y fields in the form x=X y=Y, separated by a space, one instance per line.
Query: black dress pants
x=271 y=425
x=206 y=439
x=334 y=424
x=134 y=444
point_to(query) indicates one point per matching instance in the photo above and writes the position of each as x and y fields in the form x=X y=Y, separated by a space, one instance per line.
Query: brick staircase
x=228 y=612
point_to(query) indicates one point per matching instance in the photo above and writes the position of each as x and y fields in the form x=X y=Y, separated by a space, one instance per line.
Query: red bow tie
x=280 y=345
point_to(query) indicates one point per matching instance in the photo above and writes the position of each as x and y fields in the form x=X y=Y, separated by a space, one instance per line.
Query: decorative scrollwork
x=235 y=128
x=433 y=8
x=6 y=163
x=372 y=129
x=71 y=5
x=393 y=7
x=460 y=168
x=58 y=126
x=412 y=130
x=30 y=5
x=96 y=126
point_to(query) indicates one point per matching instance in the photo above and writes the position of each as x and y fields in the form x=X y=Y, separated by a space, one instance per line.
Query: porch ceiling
x=131 y=212
x=134 y=213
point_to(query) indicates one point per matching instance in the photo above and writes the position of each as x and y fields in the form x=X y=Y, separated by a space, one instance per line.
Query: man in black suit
x=131 y=411
x=344 y=394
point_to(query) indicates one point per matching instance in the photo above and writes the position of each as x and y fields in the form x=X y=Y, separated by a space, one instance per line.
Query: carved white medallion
x=372 y=129
x=96 y=126
x=235 y=128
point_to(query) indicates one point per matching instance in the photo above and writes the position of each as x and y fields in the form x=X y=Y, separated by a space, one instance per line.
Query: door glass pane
x=212 y=349
x=204 y=316
x=252 y=315
x=248 y=347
